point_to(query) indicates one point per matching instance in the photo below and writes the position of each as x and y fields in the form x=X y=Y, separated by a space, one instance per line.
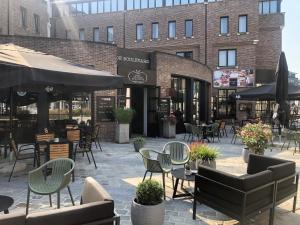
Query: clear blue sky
x=291 y=34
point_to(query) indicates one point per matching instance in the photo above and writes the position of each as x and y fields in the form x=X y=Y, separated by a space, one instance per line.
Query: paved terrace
x=120 y=169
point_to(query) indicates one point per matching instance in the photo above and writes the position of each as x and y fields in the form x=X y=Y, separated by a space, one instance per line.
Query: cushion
x=93 y=192
x=283 y=170
x=13 y=219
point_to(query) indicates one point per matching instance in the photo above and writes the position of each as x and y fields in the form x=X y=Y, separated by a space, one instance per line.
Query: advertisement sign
x=233 y=78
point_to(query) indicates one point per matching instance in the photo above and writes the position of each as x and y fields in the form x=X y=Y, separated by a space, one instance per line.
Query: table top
x=179 y=174
x=5 y=202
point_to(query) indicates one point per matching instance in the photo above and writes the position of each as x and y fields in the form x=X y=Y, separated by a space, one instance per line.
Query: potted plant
x=256 y=137
x=124 y=117
x=202 y=154
x=169 y=126
x=148 y=207
x=138 y=143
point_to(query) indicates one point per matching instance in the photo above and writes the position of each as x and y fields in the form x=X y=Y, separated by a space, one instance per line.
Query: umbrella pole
x=279 y=132
x=11 y=90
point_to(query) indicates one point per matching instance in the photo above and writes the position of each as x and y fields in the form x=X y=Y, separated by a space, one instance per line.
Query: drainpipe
x=205 y=8
x=8 y=31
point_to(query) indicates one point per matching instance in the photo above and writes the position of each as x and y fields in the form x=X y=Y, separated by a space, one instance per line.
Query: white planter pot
x=245 y=153
x=211 y=163
x=122 y=133
x=147 y=214
x=169 y=130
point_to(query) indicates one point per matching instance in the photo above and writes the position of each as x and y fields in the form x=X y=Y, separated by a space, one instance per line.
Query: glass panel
x=100 y=6
x=180 y=54
x=200 y=1
x=266 y=7
x=192 y=1
x=154 y=30
x=188 y=28
x=224 y=25
x=184 y=2
x=176 y=2
x=106 y=5
x=96 y=35
x=79 y=8
x=260 y=8
x=151 y=3
x=243 y=24
x=110 y=34
x=85 y=8
x=231 y=58
x=120 y=5
x=94 y=7
x=158 y=3
x=73 y=9
x=144 y=4
x=222 y=58
x=139 y=32
x=273 y=7
x=113 y=5
x=172 y=29
x=169 y=2
x=137 y=4
x=81 y=35
x=130 y=4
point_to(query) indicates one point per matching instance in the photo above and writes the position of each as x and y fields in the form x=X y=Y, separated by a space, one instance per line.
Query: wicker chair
x=41 y=184
x=162 y=164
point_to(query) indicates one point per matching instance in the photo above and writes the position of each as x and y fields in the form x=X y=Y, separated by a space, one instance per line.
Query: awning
x=30 y=70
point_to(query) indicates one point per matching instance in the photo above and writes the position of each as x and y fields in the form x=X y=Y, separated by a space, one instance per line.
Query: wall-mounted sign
x=138 y=77
x=104 y=108
x=234 y=78
x=133 y=59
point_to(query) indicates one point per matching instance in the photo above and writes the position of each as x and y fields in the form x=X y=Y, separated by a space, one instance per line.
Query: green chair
x=50 y=178
x=156 y=162
x=178 y=151
x=85 y=147
x=214 y=131
x=196 y=131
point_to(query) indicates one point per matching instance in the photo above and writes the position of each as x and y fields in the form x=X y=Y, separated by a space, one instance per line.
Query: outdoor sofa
x=96 y=208
x=268 y=182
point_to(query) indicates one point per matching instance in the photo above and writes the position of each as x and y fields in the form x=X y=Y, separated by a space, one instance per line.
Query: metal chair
x=96 y=137
x=290 y=136
x=60 y=177
x=178 y=151
x=196 y=131
x=85 y=147
x=214 y=131
x=156 y=162
x=222 y=128
x=235 y=134
x=188 y=131
x=20 y=155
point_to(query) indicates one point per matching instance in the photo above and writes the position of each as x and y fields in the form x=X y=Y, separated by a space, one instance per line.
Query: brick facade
x=11 y=11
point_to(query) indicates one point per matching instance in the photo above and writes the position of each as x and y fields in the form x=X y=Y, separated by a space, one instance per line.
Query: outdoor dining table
x=5 y=203
x=179 y=174
x=204 y=127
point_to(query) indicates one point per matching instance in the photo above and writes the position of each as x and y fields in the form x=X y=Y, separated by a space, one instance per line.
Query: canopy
x=30 y=70
x=266 y=93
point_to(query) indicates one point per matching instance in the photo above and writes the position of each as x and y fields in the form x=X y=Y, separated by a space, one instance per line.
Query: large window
x=226 y=107
x=196 y=102
x=224 y=25
x=23 y=17
x=267 y=7
x=36 y=23
x=96 y=34
x=188 y=28
x=227 y=57
x=154 y=31
x=172 y=29
x=110 y=34
x=137 y=4
x=81 y=35
x=243 y=24
x=130 y=4
x=178 y=95
x=114 y=6
x=94 y=7
x=121 y=5
x=144 y=4
x=85 y=8
x=139 y=32
x=188 y=54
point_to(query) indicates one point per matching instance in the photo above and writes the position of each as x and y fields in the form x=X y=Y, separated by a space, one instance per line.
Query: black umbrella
x=281 y=94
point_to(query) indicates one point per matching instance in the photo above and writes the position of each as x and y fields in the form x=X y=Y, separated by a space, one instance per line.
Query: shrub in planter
x=148 y=207
x=202 y=154
x=124 y=117
x=138 y=143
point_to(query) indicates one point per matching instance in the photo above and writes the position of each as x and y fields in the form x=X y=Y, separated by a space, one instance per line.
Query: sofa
x=96 y=208
x=268 y=182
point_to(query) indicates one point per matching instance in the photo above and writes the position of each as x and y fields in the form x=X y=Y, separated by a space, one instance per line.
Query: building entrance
x=137 y=103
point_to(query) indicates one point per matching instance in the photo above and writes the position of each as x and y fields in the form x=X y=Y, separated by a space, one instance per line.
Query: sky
x=291 y=34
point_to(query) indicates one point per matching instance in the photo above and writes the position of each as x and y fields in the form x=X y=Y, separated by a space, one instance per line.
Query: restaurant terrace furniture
x=235 y=134
x=156 y=162
x=5 y=203
x=222 y=128
x=42 y=183
x=41 y=144
x=268 y=182
x=96 y=137
x=213 y=132
x=178 y=151
x=85 y=147
x=59 y=150
x=22 y=153
x=196 y=131
x=96 y=207
x=179 y=174
x=188 y=131
x=289 y=136
x=74 y=136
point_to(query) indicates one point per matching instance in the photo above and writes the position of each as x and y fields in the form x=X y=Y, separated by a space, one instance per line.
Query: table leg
x=175 y=188
x=6 y=211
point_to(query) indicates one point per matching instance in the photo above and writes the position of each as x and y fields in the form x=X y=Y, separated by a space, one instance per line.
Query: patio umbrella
x=281 y=94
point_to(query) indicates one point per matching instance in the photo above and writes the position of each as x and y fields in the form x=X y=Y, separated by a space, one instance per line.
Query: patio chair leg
x=194 y=208
x=11 y=173
x=150 y=176
x=27 y=204
x=93 y=159
x=100 y=146
x=181 y=184
x=164 y=185
x=69 y=190
x=58 y=199
x=88 y=157
x=145 y=175
x=173 y=182
x=294 y=203
x=50 y=200
x=271 y=217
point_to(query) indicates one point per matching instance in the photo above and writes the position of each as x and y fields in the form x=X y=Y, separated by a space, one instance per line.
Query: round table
x=5 y=203
x=179 y=174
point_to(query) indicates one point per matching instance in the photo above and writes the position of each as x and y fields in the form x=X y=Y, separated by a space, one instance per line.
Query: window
x=139 y=32
x=94 y=7
x=67 y=34
x=110 y=34
x=100 y=6
x=130 y=5
x=85 y=8
x=81 y=35
x=227 y=58
x=154 y=34
x=169 y=2
x=23 y=17
x=267 y=7
x=106 y=5
x=172 y=29
x=36 y=23
x=243 y=24
x=176 y=2
x=151 y=3
x=188 y=55
x=158 y=3
x=96 y=34
x=79 y=9
x=184 y=2
x=226 y=108
x=114 y=5
x=137 y=4
x=73 y=9
x=188 y=28
x=224 y=25
x=144 y=4
x=120 y=5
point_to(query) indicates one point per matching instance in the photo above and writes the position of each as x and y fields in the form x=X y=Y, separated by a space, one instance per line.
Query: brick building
x=28 y=18
x=240 y=40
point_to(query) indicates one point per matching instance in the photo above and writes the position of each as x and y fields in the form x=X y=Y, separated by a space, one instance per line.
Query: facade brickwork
x=11 y=17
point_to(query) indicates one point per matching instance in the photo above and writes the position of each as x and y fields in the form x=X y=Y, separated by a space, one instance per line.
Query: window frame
x=227 y=54
x=136 y=32
x=23 y=17
x=261 y=7
x=94 y=29
x=170 y=22
x=184 y=54
x=37 y=23
x=185 y=28
x=227 y=27
x=155 y=38
x=107 y=28
x=243 y=15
